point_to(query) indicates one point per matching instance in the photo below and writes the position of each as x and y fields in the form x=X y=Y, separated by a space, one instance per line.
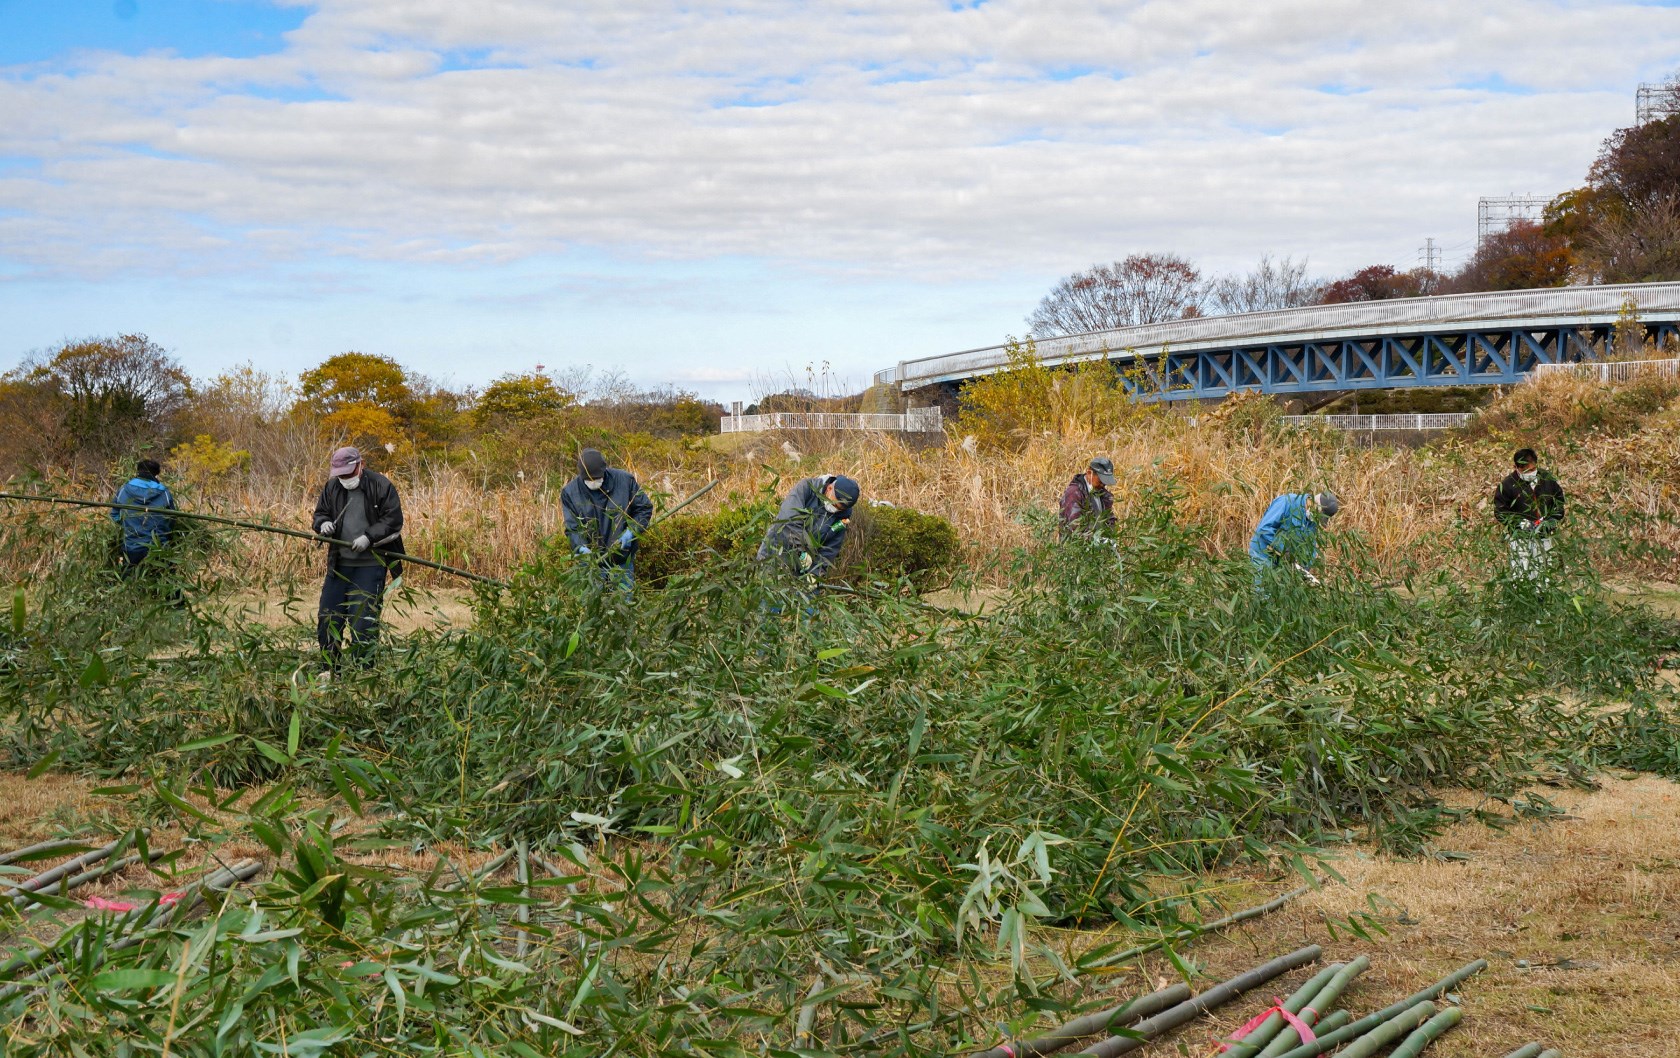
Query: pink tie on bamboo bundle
x=1259 y=1019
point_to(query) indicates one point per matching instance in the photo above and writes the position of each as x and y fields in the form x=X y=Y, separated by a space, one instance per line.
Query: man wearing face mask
x=810 y=527
x=604 y=509
x=1529 y=504
x=360 y=512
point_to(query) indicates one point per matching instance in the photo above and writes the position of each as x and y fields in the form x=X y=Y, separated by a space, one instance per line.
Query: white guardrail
x=1614 y=370
x=1561 y=305
x=1440 y=420
x=916 y=420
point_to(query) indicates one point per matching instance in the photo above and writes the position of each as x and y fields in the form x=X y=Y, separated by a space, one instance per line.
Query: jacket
x=597 y=518
x=1519 y=505
x=1287 y=532
x=1081 y=505
x=385 y=516
x=804 y=526
x=144 y=529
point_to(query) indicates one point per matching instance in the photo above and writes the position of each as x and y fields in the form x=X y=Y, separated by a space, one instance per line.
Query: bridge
x=1452 y=340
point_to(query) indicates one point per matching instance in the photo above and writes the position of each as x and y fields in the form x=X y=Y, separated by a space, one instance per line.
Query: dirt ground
x=405 y=611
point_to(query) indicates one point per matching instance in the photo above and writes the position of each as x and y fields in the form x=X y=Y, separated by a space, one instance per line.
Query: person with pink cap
x=360 y=515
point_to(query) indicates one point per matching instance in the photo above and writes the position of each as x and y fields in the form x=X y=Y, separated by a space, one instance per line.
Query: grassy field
x=872 y=822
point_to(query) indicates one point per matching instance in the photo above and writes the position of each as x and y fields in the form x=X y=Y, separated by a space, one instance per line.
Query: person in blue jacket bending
x=1287 y=536
x=143 y=530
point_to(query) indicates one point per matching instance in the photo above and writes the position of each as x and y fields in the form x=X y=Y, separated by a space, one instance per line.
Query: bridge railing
x=1439 y=420
x=915 y=420
x=1614 y=370
x=1563 y=303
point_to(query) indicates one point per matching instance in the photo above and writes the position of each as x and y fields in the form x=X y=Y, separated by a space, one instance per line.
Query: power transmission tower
x=1430 y=255
x=1494 y=215
x=1656 y=100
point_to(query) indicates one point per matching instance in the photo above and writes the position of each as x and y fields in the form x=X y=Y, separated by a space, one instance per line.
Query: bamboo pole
x=1527 y=1050
x=1428 y=1033
x=1196 y=1006
x=1389 y=1031
x=1330 y=1040
x=1323 y=1001
x=110 y=867
x=1196 y=931
x=1299 y=1001
x=1091 y=1024
x=42 y=848
x=260 y=527
x=21 y=890
x=523 y=873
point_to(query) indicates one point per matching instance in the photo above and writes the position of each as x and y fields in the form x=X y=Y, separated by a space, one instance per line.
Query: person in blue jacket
x=806 y=536
x=143 y=530
x=1287 y=536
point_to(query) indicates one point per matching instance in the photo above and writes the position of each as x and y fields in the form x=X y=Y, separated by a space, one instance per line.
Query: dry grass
x=1576 y=917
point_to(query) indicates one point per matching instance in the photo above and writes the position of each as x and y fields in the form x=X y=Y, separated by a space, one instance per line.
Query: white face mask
x=831 y=507
x=1530 y=476
x=352 y=483
x=593 y=483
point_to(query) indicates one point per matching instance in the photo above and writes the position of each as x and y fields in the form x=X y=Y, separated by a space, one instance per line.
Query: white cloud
x=1034 y=135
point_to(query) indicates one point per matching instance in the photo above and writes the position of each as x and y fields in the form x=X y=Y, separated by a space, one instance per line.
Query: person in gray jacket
x=806 y=536
x=604 y=509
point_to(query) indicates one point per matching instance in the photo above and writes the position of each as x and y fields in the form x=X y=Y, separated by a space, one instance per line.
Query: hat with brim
x=846 y=491
x=345 y=461
x=1103 y=468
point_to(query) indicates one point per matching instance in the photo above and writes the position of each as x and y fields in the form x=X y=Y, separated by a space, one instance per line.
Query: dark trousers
x=132 y=559
x=351 y=595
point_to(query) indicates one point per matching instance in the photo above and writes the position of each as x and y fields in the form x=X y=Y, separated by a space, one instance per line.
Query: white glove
x=581 y=551
x=326 y=528
x=360 y=543
x=804 y=561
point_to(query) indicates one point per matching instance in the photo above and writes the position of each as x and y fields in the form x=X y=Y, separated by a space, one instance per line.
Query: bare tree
x=1144 y=288
x=1279 y=284
x=1637 y=245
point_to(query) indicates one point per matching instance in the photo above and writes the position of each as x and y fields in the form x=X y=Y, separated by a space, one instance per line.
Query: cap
x=1329 y=504
x=345 y=460
x=846 y=491
x=1103 y=467
x=592 y=464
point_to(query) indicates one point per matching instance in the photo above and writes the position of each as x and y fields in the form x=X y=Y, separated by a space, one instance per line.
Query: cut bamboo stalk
x=1091 y=1024
x=1389 y=1031
x=109 y=867
x=46 y=878
x=1428 y=1033
x=1552 y=1053
x=523 y=870
x=1527 y=1050
x=1330 y=1040
x=1208 y=927
x=1323 y=1001
x=55 y=845
x=1194 y=1007
x=1266 y=1030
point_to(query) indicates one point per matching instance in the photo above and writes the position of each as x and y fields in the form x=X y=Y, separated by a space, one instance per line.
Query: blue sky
x=717 y=196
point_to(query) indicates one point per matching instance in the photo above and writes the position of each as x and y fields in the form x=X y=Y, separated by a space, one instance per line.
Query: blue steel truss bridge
x=1454 y=340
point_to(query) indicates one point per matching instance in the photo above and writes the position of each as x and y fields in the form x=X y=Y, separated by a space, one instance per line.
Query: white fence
x=1441 y=420
x=1614 y=370
x=916 y=420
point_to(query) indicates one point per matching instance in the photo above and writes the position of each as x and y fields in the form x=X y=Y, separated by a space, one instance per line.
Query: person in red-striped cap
x=361 y=516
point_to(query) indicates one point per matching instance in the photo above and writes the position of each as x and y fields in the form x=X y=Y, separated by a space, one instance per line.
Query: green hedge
x=884 y=543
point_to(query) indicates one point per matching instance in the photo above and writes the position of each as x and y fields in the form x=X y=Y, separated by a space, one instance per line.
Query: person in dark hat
x=605 y=508
x=810 y=528
x=361 y=515
x=1529 y=504
x=142 y=531
x=1087 y=505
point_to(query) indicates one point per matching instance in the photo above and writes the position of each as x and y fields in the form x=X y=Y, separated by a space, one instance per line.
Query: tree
x=1522 y=257
x=362 y=398
x=518 y=399
x=1620 y=224
x=1379 y=283
x=1144 y=288
x=114 y=395
x=1272 y=285
x=1641 y=245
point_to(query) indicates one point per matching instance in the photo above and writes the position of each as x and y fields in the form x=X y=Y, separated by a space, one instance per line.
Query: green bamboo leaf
x=124 y=980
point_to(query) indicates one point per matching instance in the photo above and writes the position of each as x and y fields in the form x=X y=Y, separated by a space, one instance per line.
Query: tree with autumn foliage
x=1624 y=223
x=1379 y=283
x=362 y=398
x=1524 y=256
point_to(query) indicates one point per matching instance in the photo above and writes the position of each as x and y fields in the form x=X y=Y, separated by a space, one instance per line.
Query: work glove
x=626 y=540
x=581 y=551
x=810 y=580
x=804 y=562
x=326 y=528
x=360 y=543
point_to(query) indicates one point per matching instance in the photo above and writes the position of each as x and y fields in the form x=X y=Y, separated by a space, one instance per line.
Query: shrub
x=886 y=543
x=684 y=542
